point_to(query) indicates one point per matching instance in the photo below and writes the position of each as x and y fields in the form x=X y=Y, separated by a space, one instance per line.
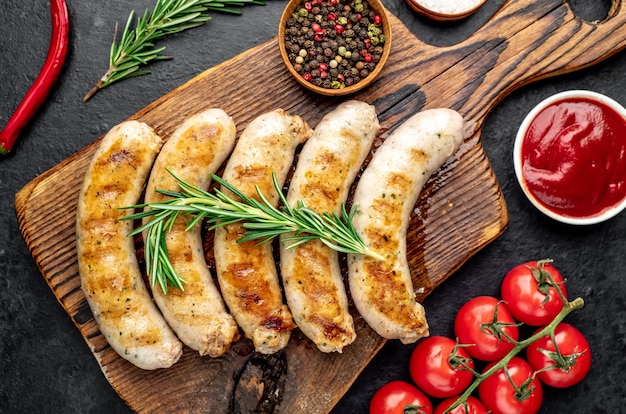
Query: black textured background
x=45 y=366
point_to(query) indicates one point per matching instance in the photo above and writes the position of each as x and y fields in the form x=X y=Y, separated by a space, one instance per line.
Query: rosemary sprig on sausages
x=262 y=221
x=136 y=46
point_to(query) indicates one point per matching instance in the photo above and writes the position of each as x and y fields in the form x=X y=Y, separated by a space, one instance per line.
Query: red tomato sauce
x=574 y=157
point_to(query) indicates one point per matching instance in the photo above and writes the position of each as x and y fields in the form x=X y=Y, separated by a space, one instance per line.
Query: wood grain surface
x=459 y=212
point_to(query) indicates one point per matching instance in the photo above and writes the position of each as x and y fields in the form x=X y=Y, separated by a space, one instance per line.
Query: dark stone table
x=45 y=365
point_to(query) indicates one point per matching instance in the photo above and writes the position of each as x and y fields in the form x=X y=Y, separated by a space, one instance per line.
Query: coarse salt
x=449 y=7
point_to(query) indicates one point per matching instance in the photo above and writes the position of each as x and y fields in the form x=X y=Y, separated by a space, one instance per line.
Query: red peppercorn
x=368 y=57
x=323 y=75
x=319 y=36
x=359 y=16
x=307 y=76
x=332 y=2
x=316 y=27
x=308 y=6
x=377 y=19
x=338 y=28
x=340 y=77
x=367 y=42
x=323 y=67
x=331 y=16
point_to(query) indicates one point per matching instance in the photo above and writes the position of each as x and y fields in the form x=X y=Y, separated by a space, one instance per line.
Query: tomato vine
x=518 y=346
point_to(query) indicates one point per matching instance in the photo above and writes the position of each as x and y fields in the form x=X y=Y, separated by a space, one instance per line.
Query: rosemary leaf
x=136 y=47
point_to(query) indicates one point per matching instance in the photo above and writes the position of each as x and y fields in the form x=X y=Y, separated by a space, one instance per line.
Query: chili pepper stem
x=569 y=307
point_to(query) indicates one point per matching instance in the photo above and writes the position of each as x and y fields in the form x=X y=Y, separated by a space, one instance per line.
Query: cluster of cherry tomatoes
x=487 y=330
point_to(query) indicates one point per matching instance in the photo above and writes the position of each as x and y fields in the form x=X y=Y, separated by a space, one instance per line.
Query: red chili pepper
x=48 y=75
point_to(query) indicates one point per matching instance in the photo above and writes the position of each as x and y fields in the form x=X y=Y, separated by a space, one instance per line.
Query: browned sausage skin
x=386 y=194
x=107 y=262
x=247 y=272
x=197 y=314
x=327 y=166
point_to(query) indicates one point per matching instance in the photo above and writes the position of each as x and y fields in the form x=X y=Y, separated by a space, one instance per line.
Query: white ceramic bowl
x=517 y=156
x=445 y=10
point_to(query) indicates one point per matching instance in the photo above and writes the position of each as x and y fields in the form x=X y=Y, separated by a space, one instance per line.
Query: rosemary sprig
x=260 y=218
x=137 y=48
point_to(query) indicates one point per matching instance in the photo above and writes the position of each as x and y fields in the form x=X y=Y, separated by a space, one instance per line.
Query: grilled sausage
x=197 y=314
x=311 y=274
x=107 y=263
x=386 y=194
x=246 y=271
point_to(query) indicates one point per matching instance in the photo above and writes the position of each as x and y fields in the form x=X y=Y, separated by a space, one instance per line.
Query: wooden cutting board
x=460 y=211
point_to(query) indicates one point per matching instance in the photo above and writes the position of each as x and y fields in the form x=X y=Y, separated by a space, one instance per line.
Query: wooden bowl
x=378 y=7
x=437 y=14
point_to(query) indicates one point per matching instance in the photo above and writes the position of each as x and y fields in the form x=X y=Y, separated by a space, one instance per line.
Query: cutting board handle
x=524 y=41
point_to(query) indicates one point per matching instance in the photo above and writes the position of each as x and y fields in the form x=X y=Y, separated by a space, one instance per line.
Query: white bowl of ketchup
x=570 y=157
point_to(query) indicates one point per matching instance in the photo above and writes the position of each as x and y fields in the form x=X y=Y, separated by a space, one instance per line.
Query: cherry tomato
x=435 y=372
x=474 y=325
x=573 y=363
x=529 y=294
x=399 y=397
x=498 y=395
x=472 y=406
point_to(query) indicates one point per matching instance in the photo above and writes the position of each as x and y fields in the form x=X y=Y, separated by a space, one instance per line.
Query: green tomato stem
x=569 y=307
